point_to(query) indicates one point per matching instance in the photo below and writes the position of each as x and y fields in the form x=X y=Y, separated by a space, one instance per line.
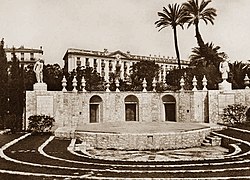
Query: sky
x=126 y=25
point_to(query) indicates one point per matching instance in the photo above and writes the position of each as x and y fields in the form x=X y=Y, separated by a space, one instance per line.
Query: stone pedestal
x=225 y=86
x=40 y=87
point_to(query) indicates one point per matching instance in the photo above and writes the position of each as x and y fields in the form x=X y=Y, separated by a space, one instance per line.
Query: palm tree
x=238 y=70
x=213 y=56
x=172 y=17
x=197 y=12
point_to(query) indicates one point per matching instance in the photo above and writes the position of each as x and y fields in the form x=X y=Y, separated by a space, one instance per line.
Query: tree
x=15 y=94
x=3 y=83
x=238 y=70
x=195 y=13
x=172 y=17
x=29 y=77
x=213 y=56
x=53 y=75
x=94 y=82
x=141 y=70
x=211 y=72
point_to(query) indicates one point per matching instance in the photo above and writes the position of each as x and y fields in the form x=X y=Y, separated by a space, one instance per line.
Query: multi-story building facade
x=26 y=56
x=105 y=62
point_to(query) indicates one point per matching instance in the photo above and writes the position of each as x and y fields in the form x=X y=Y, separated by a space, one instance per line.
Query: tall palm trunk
x=199 y=39
x=176 y=47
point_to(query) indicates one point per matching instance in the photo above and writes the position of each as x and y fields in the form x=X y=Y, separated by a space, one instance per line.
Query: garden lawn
x=27 y=150
x=5 y=138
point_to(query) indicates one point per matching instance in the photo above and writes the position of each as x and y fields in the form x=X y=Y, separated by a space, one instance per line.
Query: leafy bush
x=234 y=114
x=40 y=123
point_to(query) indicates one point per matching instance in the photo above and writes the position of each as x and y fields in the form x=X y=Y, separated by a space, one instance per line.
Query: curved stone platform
x=143 y=136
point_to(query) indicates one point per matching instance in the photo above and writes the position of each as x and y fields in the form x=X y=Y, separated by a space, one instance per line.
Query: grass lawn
x=26 y=150
x=5 y=138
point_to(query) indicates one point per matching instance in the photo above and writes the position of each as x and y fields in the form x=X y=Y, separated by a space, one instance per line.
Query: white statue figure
x=38 y=69
x=224 y=68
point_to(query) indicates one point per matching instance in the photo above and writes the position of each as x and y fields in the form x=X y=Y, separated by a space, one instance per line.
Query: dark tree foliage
x=211 y=56
x=94 y=82
x=141 y=70
x=15 y=94
x=52 y=76
x=114 y=76
x=29 y=77
x=212 y=75
x=3 y=82
x=238 y=70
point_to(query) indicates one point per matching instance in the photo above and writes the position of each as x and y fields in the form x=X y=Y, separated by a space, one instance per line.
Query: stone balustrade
x=144 y=84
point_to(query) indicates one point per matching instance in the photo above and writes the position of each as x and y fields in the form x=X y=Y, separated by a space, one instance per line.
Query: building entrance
x=95 y=109
x=130 y=112
x=169 y=107
x=131 y=108
x=169 y=112
x=94 y=113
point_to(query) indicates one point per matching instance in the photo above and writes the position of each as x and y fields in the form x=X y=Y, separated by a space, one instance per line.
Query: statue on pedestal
x=38 y=69
x=224 y=68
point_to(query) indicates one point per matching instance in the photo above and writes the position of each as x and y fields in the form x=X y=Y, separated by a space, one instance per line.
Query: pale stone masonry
x=72 y=109
x=156 y=141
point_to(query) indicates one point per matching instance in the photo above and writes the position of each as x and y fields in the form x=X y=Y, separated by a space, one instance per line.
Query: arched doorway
x=169 y=107
x=95 y=106
x=131 y=108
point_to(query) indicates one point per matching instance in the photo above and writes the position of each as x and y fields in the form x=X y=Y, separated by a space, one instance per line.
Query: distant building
x=106 y=62
x=26 y=56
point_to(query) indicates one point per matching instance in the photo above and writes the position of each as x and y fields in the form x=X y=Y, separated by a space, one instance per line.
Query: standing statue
x=38 y=69
x=224 y=68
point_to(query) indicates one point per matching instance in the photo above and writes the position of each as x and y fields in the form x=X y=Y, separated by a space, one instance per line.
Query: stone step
x=206 y=141
x=206 y=144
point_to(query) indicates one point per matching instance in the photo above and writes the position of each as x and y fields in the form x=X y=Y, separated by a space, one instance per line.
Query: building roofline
x=127 y=55
x=22 y=49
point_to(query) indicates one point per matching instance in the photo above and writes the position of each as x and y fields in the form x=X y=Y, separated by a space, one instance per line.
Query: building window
x=22 y=56
x=12 y=55
x=32 y=56
x=110 y=65
x=102 y=63
x=87 y=62
x=78 y=62
x=95 y=64
x=125 y=65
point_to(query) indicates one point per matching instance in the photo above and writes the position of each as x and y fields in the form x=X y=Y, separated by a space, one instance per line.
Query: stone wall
x=156 y=141
x=72 y=109
x=218 y=100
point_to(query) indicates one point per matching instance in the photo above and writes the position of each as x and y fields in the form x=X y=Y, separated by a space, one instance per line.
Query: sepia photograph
x=124 y=89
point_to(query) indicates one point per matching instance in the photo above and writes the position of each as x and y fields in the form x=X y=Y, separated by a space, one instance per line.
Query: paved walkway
x=196 y=153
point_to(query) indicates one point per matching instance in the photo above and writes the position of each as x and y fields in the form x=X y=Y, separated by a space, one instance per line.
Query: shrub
x=40 y=123
x=234 y=114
